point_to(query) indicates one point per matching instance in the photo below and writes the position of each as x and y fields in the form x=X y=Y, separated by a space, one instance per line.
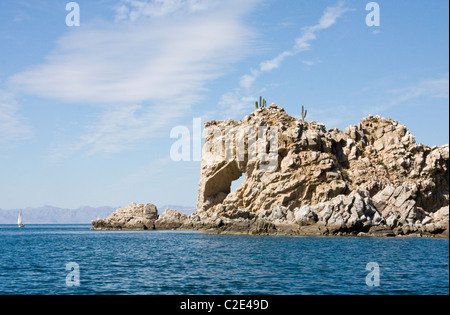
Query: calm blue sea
x=33 y=260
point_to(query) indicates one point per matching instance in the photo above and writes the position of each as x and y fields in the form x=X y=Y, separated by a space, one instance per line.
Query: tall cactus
x=262 y=103
x=304 y=113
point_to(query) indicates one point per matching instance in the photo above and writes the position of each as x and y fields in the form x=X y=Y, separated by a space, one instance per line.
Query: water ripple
x=33 y=261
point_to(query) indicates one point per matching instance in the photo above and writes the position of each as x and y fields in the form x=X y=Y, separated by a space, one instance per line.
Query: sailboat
x=19 y=220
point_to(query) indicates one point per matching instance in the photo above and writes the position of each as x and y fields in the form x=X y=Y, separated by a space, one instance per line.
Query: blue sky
x=86 y=112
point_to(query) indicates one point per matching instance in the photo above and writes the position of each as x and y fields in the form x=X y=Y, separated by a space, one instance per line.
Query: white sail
x=19 y=220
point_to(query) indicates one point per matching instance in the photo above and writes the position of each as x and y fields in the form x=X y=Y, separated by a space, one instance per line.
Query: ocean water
x=33 y=260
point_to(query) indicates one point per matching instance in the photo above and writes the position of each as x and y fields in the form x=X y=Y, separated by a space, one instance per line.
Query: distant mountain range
x=54 y=215
x=83 y=215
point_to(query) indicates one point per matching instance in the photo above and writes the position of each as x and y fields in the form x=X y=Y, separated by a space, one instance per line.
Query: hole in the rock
x=237 y=183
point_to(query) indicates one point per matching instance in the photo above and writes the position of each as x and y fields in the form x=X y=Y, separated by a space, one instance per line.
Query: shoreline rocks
x=132 y=217
x=372 y=179
x=171 y=220
x=141 y=217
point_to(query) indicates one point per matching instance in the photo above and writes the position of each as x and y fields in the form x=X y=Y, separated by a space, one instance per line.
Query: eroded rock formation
x=171 y=220
x=371 y=178
x=141 y=217
x=302 y=179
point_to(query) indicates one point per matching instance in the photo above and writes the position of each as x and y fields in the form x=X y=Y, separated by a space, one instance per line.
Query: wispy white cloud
x=248 y=79
x=428 y=88
x=155 y=52
x=233 y=100
x=20 y=17
x=136 y=9
x=133 y=62
x=303 y=42
x=382 y=101
x=122 y=128
x=274 y=63
x=12 y=125
x=435 y=88
x=311 y=63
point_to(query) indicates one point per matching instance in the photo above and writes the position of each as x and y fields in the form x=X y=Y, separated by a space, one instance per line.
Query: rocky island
x=372 y=179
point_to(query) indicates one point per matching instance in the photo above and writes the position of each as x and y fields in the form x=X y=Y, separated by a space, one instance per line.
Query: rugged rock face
x=372 y=178
x=302 y=179
x=141 y=217
x=170 y=220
